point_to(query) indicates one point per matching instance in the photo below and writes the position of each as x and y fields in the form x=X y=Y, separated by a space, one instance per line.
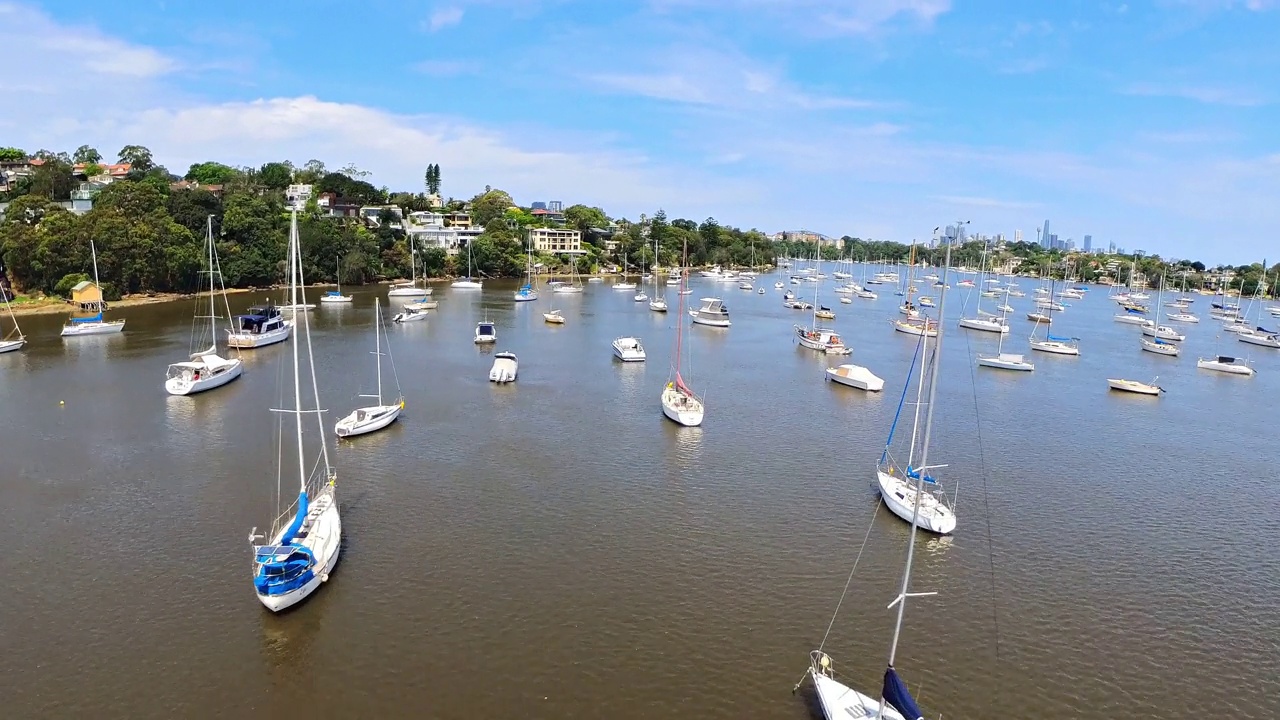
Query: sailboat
x=15 y=339
x=658 y=303
x=205 y=369
x=527 y=292
x=983 y=320
x=838 y=700
x=1051 y=343
x=336 y=296
x=408 y=289
x=574 y=286
x=466 y=283
x=1156 y=330
x=624 y=285
x=306 y=538
x=1158 y=344
x=374 y=417
x=1003 y=360
x=815 y=337
x=932 y=510
x=94 y=324
x=679 y=403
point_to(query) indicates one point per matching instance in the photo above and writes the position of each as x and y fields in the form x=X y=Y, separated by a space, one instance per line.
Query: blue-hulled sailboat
x=839 y=701
x=305 y=539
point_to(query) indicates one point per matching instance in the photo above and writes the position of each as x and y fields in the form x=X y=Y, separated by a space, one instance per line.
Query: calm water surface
x=556 y=549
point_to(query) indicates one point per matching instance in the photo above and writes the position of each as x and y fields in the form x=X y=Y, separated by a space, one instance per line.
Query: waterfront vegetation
x=149 y=232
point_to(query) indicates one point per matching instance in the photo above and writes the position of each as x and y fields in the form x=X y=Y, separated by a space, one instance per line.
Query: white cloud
x=26 y=32
x=443 y=17
x=1207 y=94
x=822 y=17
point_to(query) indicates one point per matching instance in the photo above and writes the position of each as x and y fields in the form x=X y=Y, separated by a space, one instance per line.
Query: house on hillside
x=117 y=171
x=372 y=216
x=554 y=217
x=334 y=206
x=556 y=240
x=216 y=190
x=457 y=219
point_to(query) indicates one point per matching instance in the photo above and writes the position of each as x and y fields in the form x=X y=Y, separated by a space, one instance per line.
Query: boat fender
x=324 y=577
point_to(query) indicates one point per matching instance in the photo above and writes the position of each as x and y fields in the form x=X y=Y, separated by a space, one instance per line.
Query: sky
x=1153 y=125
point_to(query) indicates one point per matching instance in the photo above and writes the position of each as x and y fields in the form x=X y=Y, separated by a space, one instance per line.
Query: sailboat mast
x=684 y=261
x=213 y=311
x=924 y=463
x=297 y=368
x=377 y=342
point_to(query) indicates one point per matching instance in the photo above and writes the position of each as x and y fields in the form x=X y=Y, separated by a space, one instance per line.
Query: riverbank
x=56 y=305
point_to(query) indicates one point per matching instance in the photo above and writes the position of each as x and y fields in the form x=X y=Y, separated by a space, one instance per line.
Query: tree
x=210 y=173
x=137 y=156
x=86 y=154
x=276 y=175
x=92 y=169
x=489 y=206
x=583 y=218
x=12 y=154
x=433 y=179
x=52 y=179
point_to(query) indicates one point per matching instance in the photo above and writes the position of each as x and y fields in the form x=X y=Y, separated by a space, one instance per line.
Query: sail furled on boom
x=896 y=694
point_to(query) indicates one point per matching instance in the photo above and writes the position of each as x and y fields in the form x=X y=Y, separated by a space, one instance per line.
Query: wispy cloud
x=820 y=17
x=1188 y=137
x=983 y=202
x=1217 y=5
x=443 y=17
x=26 y=31
x=1207 y=94
x=446 y=68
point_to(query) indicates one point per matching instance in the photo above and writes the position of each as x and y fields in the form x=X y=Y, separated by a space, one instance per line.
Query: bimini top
x=485 y=328
x=1059 y=339
x=98 y=318
x=1225 y=359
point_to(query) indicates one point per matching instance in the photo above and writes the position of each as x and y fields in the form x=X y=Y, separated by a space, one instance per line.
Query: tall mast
x=377 y=342
x=680 y=311
x=297 y=368
x=924 y=463
x=213 y=312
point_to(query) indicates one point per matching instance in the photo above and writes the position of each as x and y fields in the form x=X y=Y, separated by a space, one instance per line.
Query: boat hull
x=840 y=702
x=505 y=369
x=335 y=299
x=257 y=340
x=180 y=386
x=467 y=285
x=709 y=321
x=1227 y=368
x=93 y=328
x=855 y=376
x=1056 y=348
x=405 y=292
x=687 y=413
x=899 y=496
x=984 y=325
x=11 y=345
x=1130 y=386
x=324 y=539
x=1271 y=341
x=377 y=417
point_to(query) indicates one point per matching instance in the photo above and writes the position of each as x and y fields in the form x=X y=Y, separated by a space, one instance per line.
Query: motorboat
x=1133 y=386
x=554 y=317
x=410 y=314
x=263 y=325
x=628 y=349
x=746 y=286
x=505 y=367
x=827 y=341
x=486 y=333
x=855 y=376
x=824 y=313
x=1225 y=364
x=713 y=312
x=761 y=292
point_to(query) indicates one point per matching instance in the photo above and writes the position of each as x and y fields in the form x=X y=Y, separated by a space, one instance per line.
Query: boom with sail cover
x=896 y=694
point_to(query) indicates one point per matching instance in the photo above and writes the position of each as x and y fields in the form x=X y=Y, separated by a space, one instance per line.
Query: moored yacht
x=713 y=312
x=263 y=325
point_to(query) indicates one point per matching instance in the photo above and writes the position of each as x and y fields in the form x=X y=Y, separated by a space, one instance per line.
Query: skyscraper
x=1017 y=236
x=1088 y=243
x=1044 y=235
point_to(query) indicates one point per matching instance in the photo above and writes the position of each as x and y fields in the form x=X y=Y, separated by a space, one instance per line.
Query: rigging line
x=874 y=512
x=898 y=413
x=986 y=502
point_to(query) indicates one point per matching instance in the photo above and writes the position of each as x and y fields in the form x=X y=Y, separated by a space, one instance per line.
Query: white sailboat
x=573 y=286
x=1155 y=329
x=625 y=284
x=205 y=369
x=14 y=340
x=1003 y=360
x=679 y=403
x=467 y=283
x=335 y=297
x=658 y=303
x=816 y=337
x=1135 y=387
x=379 y=415
x=840 y=701
x=1054 y=344
x=1225 y=364
x=527 y=292
x=94 y=324
x=408 y=289
x=1157 y=344
x=306 y=538
x=983 y=320
x=930 y=510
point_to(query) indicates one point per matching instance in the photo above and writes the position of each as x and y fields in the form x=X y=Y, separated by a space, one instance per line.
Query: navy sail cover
x=895 y=693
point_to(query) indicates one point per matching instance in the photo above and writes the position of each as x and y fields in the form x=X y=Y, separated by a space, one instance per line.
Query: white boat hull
x=711 y=321
x=410 y=316
x=405 y=292
x=467 y=285
x=1006 y=361
x=93 y=328
x=856 y=376
x=257 y=340
x=185 y=385
x=505 y=368
x=900 y=497
x=658 y=305
x=1130 y=319
x=1271 y=341
x=680 y=408
x=566 y=289
x=993 y=326
x=366 y=420
x=1055 y=347
x=335 y=299
x=1228 y=368
x=324 y=539
x=554 y=318
x=1159 y=348
x=1163 y=332
x=1133 y=386
x=11 y=345
x=525 y=296
x=628 y=350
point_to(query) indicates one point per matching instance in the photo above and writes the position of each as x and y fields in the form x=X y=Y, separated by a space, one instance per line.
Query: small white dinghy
x=374 y=417
x=505 y=366
x=1225 y=364
x=486 y=333
x=855 y=376
x=1133 y=386
x=628 y=349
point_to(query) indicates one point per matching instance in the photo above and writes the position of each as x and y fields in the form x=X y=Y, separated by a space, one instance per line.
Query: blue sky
x=1151 y=124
